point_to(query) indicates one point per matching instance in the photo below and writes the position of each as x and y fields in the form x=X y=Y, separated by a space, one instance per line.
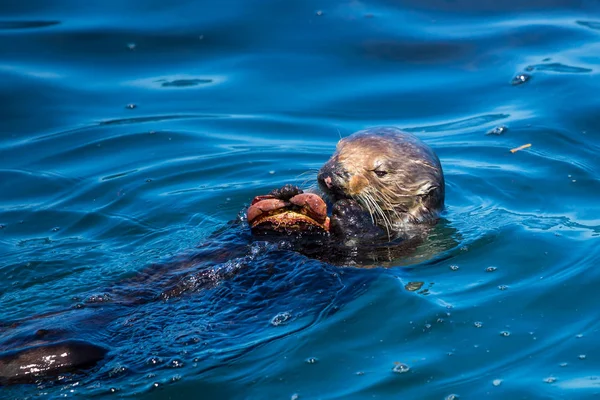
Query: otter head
x=393 y=175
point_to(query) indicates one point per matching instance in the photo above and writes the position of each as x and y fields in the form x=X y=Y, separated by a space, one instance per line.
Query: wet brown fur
x=411 y=189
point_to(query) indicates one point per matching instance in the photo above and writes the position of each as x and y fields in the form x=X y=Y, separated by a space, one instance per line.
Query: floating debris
x=525 y=146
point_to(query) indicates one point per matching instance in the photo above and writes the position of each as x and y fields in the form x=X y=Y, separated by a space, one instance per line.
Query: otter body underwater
x=386 y=189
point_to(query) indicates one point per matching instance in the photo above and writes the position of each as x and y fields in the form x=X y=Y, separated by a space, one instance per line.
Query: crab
x=288 y=210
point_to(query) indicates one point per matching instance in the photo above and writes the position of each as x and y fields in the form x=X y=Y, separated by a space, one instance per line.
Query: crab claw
x=311 y=205
x=264 y=206
x=303 y=212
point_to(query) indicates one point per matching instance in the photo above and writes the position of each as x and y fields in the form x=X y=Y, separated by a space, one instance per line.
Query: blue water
x=132 y=131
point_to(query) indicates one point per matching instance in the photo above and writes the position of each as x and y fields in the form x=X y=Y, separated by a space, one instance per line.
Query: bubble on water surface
x=131 y=46
x=582 y=356
x=400 y=368
x=490 y=269
x=154 y=361
x=175 y=363
x=520 y=79
x=499 y=130
x=131 y=106
x=503 y=287
x=478 y=324
x=505 y=333
x=454 y=267
x=497 y=382
x=319 y=13
x=550 y=379
x=281 y=318
x=452 y=397
x=312 y=360
x=56 y=229
x=295 y=396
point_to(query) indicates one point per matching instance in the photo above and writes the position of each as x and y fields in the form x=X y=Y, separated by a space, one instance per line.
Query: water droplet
x=550 y=379
x=490 y=269
x=154 y=361
x=505 y=333
x=400 y=368
x=452 y=397
x=478 y=324
x=311 y=360
x=175 y=378
x=319 y=13
x=582 y=356
x=499 y=130
x=520 y=79
x=563 y=364
x=295 y=396
x=503 y=287
x=56 y=229
x=281 y=318
x=176 y=363
x=454 y=267
x=155 y=385
x=130 y=106
x=497 y=382
x=113 y=390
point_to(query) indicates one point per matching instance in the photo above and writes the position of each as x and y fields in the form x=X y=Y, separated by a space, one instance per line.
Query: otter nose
x=327 y=181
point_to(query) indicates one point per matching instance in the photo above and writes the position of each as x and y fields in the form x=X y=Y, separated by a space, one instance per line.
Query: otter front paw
x=286 y=192
x=349 y=222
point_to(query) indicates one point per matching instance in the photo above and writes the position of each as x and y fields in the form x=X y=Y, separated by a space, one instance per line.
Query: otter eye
x=380 y=173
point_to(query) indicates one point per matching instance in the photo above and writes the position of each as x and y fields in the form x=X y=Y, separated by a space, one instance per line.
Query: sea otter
x=388 y=174
x=386 y=188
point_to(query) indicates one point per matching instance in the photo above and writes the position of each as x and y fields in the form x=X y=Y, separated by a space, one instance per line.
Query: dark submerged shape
x=29 y=364
x=390 y=174
x=386 y=186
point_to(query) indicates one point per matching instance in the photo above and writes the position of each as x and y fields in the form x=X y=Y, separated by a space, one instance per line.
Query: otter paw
x=286 y=192
x=350 y=221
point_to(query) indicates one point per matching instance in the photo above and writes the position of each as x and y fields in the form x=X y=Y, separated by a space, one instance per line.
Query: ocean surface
x=132 y=134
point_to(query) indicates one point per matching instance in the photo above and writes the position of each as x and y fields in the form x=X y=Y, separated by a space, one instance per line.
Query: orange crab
x=304 y=212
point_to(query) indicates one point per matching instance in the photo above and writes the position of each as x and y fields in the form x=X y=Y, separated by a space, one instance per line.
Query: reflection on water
x=231 y=100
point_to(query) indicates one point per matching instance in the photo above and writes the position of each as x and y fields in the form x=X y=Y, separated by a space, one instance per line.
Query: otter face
x=392 y=174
